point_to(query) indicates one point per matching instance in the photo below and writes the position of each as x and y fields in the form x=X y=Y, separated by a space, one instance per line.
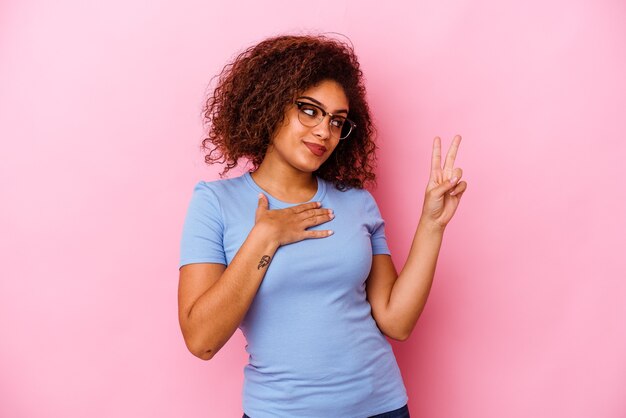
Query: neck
x=285 y=183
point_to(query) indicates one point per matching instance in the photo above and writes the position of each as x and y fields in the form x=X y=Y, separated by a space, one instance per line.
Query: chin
x=310 y=166
x=309 y=169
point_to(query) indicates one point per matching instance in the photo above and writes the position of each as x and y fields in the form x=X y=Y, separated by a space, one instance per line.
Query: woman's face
x=306 y=148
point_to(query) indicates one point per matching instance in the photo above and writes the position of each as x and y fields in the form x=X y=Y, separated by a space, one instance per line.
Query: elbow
x=202 y=353
x=399 y=330
x=205 y=355
x=196 y=343
x=402 y=337
x=199 y=350
x=399 y=335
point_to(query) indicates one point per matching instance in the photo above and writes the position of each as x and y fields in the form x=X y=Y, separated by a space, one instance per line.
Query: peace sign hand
x=443 y=192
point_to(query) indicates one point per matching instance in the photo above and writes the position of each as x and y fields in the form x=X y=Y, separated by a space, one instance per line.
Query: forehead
x=329 y=93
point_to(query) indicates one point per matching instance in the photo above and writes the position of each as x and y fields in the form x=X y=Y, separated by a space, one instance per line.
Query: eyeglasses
x=312 y=115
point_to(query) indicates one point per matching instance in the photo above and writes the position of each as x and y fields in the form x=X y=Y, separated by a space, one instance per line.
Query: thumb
x=263 y=203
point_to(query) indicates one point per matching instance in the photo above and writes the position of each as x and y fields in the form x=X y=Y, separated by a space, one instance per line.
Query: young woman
x=294 y=252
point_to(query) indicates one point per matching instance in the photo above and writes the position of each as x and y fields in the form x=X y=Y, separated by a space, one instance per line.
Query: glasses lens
x=308 y=115
x=346 y=129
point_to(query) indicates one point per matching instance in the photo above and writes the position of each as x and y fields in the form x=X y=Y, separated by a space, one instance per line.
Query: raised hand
x=290 y=224
x=444 y=191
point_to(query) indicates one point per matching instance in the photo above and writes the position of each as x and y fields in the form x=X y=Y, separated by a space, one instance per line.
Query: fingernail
x=260 y=195
x=454 y=180
x=330 y=232
x=332 y=216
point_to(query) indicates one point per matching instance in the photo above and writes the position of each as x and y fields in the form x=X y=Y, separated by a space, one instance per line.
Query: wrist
x=431 y=226
x=262 y=232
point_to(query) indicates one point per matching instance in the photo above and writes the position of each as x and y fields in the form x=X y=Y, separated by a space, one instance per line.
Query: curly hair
x=254 y=90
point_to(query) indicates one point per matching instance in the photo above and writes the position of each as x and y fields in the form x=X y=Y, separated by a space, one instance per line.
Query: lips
x=318 y=150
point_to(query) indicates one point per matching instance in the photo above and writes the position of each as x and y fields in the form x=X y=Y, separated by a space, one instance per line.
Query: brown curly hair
x=254 y=90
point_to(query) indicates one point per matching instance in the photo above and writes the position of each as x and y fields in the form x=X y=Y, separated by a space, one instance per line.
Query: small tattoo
x=265 y=260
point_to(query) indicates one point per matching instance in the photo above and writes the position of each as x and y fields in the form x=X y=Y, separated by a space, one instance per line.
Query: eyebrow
x=320 y=104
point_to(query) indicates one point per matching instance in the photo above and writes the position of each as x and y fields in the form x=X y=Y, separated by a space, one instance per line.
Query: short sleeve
x=376 y=226
x=203 y=229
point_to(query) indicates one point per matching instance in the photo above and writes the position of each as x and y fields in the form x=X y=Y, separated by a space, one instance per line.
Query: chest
x=338 y=263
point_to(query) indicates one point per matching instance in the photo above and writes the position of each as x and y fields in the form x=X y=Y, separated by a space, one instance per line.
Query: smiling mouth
x=318 y=150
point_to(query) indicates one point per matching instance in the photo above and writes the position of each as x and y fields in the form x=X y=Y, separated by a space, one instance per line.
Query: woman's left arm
x=398 y=300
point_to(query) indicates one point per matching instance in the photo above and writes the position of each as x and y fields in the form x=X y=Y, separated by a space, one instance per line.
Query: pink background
x=100 y=125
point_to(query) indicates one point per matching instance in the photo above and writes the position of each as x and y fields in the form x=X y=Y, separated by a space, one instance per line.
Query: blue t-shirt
x=314 y=347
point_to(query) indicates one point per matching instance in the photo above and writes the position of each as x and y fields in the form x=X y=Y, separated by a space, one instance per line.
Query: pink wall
x=99 y=122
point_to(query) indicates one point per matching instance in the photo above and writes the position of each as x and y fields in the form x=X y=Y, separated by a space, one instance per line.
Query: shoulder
x=220 y=185
x=356 y=195
x=211 y=193
x=359 y=200
x=219 y=188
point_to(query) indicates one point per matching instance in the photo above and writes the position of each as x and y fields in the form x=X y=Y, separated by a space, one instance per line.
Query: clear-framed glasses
x=312 y=115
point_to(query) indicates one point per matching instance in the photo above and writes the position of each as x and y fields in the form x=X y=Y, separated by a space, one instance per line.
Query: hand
x=442 y=195
x=289 y=225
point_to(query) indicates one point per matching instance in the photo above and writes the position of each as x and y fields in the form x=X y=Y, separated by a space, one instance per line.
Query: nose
x=322 y=130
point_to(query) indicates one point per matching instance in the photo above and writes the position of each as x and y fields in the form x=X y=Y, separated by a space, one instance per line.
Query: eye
x=309 y=110
x=338 y=122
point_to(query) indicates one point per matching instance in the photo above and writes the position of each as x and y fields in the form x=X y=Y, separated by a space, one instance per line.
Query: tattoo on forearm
x=265 y=260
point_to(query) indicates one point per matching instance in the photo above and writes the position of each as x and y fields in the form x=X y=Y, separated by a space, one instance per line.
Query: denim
x=396 y=413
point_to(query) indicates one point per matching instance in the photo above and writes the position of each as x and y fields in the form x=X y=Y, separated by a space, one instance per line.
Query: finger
x=435 y=163
x=318 y=219
x=263 y=203
x=444 y=187
x=318 y=234
x=306 y=206
x=459 y=189
x=457 y=172
x=314 y=212
x=451 y=156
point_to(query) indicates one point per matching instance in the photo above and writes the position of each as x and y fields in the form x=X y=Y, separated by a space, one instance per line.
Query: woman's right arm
x=213 y=299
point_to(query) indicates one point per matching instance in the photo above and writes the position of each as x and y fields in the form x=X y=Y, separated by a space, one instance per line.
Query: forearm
x=411 y=288
x=217 y=313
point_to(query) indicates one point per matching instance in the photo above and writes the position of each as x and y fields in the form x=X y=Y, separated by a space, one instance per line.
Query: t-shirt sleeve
x=203 y=229
x=376 y=225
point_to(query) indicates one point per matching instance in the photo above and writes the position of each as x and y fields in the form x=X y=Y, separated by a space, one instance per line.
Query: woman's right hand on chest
x=289 y=225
